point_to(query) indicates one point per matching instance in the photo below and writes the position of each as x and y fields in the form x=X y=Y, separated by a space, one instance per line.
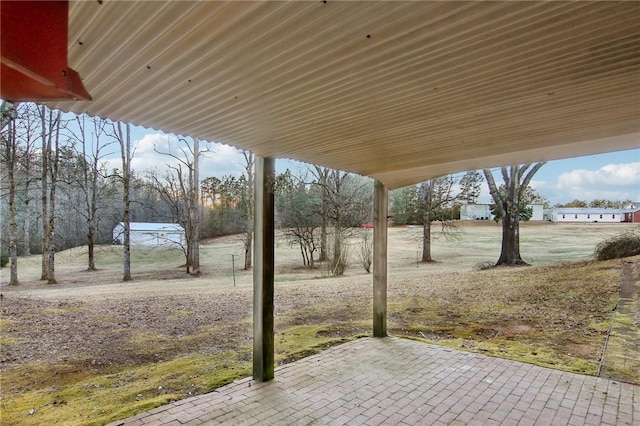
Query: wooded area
x=62 y=187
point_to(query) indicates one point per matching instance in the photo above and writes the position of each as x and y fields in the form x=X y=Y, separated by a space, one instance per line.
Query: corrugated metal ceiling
x=401 y=91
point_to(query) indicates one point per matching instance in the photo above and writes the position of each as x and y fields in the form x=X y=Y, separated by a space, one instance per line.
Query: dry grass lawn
x=93 y=349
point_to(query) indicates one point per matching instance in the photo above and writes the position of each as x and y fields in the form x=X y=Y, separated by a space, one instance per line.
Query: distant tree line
x=596 y=203
x=61 y=188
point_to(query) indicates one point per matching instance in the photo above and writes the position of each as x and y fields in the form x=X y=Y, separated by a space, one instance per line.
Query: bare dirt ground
x=92 y=324
x=95 y=313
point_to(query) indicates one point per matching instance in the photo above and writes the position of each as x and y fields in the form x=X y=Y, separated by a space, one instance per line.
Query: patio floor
x=396 y=381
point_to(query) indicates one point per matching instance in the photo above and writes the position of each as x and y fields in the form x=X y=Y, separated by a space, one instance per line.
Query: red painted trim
x=34 y=52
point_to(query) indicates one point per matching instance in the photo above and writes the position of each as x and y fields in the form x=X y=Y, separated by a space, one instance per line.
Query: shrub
x=339 y=262
x=4 y=259
x=620 y=245
x=364 y=251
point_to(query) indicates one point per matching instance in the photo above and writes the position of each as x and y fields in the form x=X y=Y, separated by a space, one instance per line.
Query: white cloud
x=150 y=150
x=611 y=175
x=610 y=182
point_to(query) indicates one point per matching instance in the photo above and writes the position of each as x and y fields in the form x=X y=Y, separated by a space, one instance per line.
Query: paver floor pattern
x=394 y=381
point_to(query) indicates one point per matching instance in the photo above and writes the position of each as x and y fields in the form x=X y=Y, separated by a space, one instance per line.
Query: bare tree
x=28 y=131
x=50 y=126
x=437 y=194
x=188 y=180
x=126 y=154
x=194 y=213
x=364 y=251
x=298 y=215
x=46 y=149
x=322 y=176
x=508 y=202
x=91 y=179
x=9 y=159
x=470 y=185
x=348 y=204
x=248 y=205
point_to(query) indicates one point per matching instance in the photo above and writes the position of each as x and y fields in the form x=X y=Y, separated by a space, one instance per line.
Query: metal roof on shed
x=149 y=226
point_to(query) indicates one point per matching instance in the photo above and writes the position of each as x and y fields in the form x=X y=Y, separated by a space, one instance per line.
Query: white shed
x=476 y=212
x=537 y=211
x=483 y=212
x=151 y=234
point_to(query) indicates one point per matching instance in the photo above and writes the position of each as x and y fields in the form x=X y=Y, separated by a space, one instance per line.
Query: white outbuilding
x=587 y=214
x=476 y=212
x=151 y=234
x=483 y=212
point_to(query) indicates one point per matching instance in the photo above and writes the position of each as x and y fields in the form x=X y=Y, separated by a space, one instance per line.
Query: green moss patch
x=82 y=395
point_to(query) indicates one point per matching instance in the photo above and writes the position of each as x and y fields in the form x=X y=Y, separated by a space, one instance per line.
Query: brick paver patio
x=394 y=381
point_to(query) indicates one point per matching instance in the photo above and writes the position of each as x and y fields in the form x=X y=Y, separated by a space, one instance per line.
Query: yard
x=93 y=349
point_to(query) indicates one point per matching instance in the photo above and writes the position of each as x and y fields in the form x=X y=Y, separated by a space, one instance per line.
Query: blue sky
x=612 y=176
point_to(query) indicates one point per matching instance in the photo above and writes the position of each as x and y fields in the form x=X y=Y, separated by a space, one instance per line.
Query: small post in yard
x=233 y=268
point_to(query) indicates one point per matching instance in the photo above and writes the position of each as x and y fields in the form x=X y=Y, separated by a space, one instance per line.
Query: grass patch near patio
x=79 y=394
x=555 y=317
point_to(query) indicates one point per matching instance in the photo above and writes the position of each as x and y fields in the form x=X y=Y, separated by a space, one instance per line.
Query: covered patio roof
x=400 y=91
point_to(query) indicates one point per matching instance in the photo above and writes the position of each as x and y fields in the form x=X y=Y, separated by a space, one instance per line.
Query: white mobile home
x=151 y=234
x=587 y=214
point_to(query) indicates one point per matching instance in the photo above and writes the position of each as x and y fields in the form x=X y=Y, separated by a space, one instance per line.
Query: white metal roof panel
x=401 y=91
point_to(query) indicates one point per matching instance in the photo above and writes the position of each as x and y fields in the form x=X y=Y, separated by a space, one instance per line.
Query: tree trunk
x=248 y=238
x=10 y=154
x=302 y=252
x=46 y=154
x=126 y=276
x=27 y=201
x=426 y=222
x=90 y=249
x=194 y=242
x=51 y=249
x=510 y=253
x=53 y=180
x=91 y=194
x=337 y=253
x=92 y=225
x=247 y=249
x=125 y=151
x=13 y=237
x=515 y=183
x=26 y=223
x=324 y=211
x=312 y=263
x=323 y=240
